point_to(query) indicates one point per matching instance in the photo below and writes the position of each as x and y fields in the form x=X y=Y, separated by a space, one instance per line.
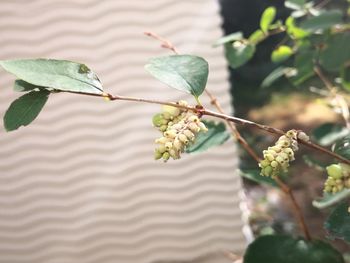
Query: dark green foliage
x=338 y=222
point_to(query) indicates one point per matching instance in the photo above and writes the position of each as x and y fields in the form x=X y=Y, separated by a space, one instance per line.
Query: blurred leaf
x=324 y=20
x=304 y=67
x=216 y=135
x=286 y=249
x=267 y=18
x=229 y=38
x=274 y=76
x=282 y=53
x=182 y=72
x=331 y=199
x=294 y=31
x=338 y=222
x=294 y=4
x=342 y=147
x=239 y=53
x=22 y=86
x=313 y=163
x=336 y=53
x=56 y=74
x=257 y=36
x=345 y=76
x=25 y=109
x=328 y=133
x=254 y=175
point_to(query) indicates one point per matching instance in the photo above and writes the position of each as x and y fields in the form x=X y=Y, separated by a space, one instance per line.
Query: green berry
x=158 y=120
x=334 y=171
x=157 y=155
x=166 y=156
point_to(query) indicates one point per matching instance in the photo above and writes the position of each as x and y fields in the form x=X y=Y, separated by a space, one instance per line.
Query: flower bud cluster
x=338 y=178
x=179 y=128
x=277 y=157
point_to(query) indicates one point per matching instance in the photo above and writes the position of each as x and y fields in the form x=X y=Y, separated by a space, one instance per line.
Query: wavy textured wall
x=80 y=185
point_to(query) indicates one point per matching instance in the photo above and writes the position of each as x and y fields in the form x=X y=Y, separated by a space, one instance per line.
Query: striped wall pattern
x=79 y=184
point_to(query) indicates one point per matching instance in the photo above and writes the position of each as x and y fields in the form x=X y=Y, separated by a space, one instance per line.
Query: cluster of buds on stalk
x=278 y=157
x=338 y=178
x=179 y=128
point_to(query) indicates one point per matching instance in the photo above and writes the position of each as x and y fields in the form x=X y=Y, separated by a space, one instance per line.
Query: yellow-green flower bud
x=173 y=111
x=334 y=171
x=157 y=155
x=158 y=120
x=166 y=156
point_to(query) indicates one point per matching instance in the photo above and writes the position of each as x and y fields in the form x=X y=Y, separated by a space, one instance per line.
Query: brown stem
x=236 y=134
x=164 y=42
x=296 y=208
x=323 y=78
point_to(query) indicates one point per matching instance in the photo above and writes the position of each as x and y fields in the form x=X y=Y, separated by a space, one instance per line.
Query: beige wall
x=80 y=184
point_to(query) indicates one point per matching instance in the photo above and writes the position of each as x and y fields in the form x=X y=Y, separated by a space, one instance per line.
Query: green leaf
x=56 y=74
x=257 y=36
x=329 y=133
x=342 y=147
x=239 y=53
x=274 y=76
x=313 y=163
x=294 y=31
x=345 y=76
x=22 y=86
x=338 y=222
x=182 y=72
x=267 y=18
x=304 y=66
x=282 y=53
x=254 y=175
x=229 y=38
x=25 y=109
x=279 y=248
x=336 y=52
x=323 y=21
x=294 y=4
x=331 y=199
x=216 y=135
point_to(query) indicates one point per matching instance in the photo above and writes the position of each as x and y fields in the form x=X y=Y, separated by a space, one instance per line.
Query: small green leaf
x=274 y=76
x=286 y=249
x=216 y=135
x=254 y=175
x=257 y=36
x=282 y=53
x=342 y=147
x=313 y=163
x=338 y=222
x=267 y=18
x=182 y=72
x=345 y=76
x=22 y=86
x=304 y=65
x=294 y=4
x=329 y=133
x=56 y=74
x=330 y=57
x=323 y=21
x=25 y=109
x=331 y=199
x=229 y=38
x=294 y=31
x=239 y=53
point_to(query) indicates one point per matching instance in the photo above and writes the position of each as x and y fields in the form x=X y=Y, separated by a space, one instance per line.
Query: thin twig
x=236 y=134
x=164 y=42
x=323 y=78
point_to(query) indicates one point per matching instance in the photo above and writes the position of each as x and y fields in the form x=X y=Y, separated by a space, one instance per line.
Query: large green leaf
x=336 y=52
x=345 y=76
x=25 y=109
x=279 y=248
x=56 y=74
x=338 y=222
x=323 y=21
x=216 y=135
x=342 y=147
x=182 y=72
x=254 y=175
x=304 y=67
x=281 y=53
x=239 y=53
x=267 y=18
x=328 y=133
x=229 y=38
x=331 y=199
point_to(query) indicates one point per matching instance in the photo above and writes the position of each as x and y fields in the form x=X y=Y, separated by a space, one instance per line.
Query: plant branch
x=164 y=42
